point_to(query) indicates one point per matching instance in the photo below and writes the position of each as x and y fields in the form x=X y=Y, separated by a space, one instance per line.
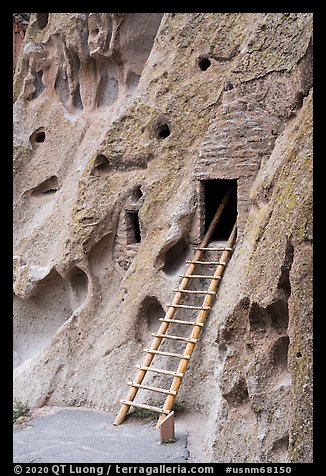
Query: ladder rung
x=183 y=306
x=193 y=292
x=207 y=262
x=153 y=389
x=168 y=354
x=146 y=407
x=214 y=249
x=198 y=276
x=183 y=339
x=160 y=371
x=176 y=321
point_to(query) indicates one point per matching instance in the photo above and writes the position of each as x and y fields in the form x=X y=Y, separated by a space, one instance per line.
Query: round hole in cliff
x=38 y=318
x=299 y=97
x=238 y=393
x=38 y=84
x=132 y=81
x=40 y=137
x=228 y=86
x=37 y=137
x=136 y=193
x=163 y=131
x=148 y=316
x=299 y=355
x=222 y=348
x=175 y=257
x=47 y=187
x=280 y=448
x=95 y=32
x=279 y=352
x=204 y=63
x=78 y=280
x=102 y=166
x=42 y=20
x=227 y=336
x=258 y=318
x=279 y=314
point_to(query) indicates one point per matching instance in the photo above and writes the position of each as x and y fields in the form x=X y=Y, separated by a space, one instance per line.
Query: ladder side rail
x=176 y=383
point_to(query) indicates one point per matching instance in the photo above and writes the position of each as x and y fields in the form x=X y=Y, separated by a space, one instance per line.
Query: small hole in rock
x=228 y=86
x=227 y=336
x=238 y=393
x=95 y=32
x=279 y=352
x=37 y=137
x=175 y=257
x=149 y=313
x=78 y=280
x=258 y=318
x=299 y=99
x=136 y=194
x=42 y=20
x=280 y=448
x=38 y=84
x=222 y=348
x=48 y=187
x=102 y=166
x=40 y=137
x=204 y=63
x=299 y=355
x=279 y=314
x=163 y=131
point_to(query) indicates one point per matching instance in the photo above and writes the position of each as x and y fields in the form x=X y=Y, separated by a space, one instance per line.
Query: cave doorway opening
x=133 y=227
x=214 y=191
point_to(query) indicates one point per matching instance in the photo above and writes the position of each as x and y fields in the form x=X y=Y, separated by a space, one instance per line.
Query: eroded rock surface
x=119 y=119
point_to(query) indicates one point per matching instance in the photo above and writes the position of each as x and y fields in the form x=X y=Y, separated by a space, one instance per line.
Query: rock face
x=121 y=123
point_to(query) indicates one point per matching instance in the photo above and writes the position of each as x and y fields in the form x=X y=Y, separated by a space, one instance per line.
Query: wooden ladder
x=181 y=293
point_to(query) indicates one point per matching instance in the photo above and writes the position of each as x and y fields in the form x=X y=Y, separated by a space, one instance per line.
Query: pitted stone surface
x=114 y=115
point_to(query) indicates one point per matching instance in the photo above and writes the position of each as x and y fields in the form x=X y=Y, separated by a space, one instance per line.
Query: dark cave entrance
x=214 y=191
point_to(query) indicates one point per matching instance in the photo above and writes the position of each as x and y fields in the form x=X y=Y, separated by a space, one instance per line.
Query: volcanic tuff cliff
x=123 y=116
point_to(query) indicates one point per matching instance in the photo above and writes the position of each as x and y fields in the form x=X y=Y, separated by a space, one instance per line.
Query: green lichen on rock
x=266 y=51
